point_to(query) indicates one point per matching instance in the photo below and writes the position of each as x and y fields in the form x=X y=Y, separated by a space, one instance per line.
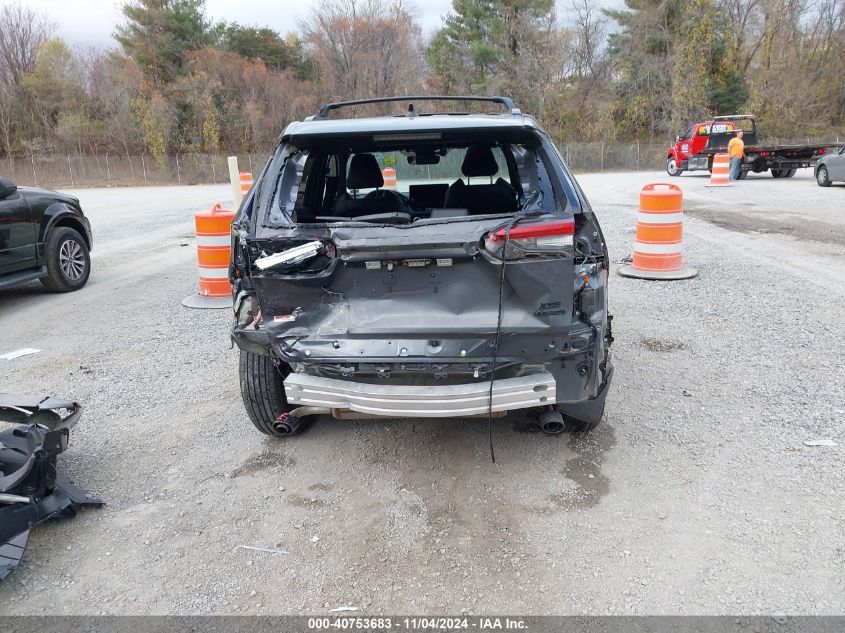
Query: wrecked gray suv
x=426 y=264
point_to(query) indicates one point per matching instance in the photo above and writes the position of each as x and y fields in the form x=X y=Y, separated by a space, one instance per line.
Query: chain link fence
x=105 y=170
x=68 y=170
x=599 y=157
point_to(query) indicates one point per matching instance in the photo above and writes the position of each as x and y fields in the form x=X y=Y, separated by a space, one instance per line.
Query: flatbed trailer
x=696 y=149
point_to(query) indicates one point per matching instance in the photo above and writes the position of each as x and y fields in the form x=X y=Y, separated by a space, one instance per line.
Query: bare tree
x=588 y=32
x=22 y=32
x=366 y=48
x=7 y=118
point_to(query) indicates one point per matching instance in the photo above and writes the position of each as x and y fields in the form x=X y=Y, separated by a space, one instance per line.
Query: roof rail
x=505 y=101
x=731 y=117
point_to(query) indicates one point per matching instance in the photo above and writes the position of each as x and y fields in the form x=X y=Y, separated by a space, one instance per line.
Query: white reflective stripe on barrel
x=657 y=249
x=214 y=273
x=660 y=218
x=214 y=240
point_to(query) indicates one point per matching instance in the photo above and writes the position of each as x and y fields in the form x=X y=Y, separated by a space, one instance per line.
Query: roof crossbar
x=504 y=101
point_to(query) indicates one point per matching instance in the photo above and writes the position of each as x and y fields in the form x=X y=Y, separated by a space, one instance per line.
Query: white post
x=235 y=179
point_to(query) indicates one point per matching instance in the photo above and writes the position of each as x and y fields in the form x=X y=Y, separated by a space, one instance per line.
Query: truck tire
x=742 y=174
x=672 y=167
x=822 y=177
x=778 y=173
x=263 y=392
x=67 y=259
x=790 y=173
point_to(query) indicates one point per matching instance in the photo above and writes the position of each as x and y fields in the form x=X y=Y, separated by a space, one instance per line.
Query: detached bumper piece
x=31 y=488
x=445 y=401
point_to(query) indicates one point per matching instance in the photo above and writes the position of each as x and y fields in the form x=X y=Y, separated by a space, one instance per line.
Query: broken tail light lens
x=526 y=239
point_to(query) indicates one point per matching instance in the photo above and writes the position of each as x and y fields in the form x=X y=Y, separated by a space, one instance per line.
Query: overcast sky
x=92 y=22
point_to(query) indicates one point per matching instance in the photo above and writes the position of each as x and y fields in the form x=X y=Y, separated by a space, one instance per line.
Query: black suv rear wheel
x=68 y=261
x=580 y=426
x=263 y=393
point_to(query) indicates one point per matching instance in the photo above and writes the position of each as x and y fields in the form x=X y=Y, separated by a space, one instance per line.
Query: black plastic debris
x=31 y=488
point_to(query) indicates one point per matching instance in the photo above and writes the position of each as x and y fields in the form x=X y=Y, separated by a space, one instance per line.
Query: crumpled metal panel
x=31 y=488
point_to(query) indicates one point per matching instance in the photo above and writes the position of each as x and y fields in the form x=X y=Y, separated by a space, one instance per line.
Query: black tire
x=68 y=261
x=574 y=425
x=263 y=391
x=742 y=174
x=790 y=173
x=822 y=177
x=579 y=425
x=672 y=167
x=778 y=173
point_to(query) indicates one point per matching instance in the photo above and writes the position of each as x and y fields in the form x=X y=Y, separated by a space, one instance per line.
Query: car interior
x=432 y=181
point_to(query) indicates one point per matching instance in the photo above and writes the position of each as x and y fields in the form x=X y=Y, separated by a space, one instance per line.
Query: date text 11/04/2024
x=421 y=623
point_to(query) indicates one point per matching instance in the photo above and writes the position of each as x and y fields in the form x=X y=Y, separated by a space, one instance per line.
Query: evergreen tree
x=497 y=46
x=161 y=34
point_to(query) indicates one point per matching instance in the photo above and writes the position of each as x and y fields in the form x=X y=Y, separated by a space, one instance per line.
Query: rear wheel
x=742 y=174
x=575 y=425
x=672 y=167
x=263 y=393
x=67 y=259
x=822 y=177
x=779 y=173
x=592 y=417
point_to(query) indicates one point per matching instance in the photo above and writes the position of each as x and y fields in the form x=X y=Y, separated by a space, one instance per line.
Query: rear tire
x=742 y=174
x=822 y=176
x=575 y=425
x=790 y=173
x=263 y=391
x=778 y=173
x=68 y=261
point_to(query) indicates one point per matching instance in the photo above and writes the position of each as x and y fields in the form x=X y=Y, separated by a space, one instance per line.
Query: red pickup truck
x=695 y=150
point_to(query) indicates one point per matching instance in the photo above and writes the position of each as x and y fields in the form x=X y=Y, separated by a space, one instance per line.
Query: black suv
x=43 y=235
x=474 y=286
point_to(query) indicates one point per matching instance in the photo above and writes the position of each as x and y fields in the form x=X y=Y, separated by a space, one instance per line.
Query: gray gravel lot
x=696 y=496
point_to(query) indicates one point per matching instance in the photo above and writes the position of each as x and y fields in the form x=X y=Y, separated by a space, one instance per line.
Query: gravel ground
x=696 y=496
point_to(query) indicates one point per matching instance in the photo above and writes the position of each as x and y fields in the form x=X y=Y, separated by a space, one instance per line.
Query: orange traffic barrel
x=658 y=246
x=246 y=183
x=214 y=245
x=720 y=174
x=389 y=175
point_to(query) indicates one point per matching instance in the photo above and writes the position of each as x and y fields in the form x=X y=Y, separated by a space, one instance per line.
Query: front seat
x=497 y=197
x=364 y=173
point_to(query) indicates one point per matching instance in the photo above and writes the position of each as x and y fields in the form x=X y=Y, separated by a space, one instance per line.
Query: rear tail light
x=527 y=239
x=822 y=151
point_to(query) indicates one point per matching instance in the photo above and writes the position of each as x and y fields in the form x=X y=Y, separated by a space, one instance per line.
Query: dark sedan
x=43 y=235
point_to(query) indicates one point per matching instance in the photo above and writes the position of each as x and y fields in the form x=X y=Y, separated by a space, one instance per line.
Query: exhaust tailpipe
x=288 y=423
x=551 y=422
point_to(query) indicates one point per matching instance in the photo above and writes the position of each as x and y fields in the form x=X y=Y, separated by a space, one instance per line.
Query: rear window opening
x=409 y=182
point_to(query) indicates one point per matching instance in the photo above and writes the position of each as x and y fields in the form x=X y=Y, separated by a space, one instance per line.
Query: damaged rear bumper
x=441 y=401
